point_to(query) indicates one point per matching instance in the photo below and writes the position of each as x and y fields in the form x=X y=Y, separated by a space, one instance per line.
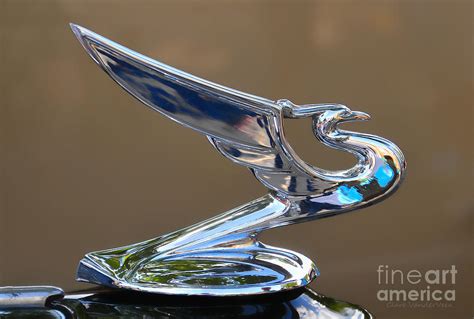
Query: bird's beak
x=356 y=116
x=360 y=116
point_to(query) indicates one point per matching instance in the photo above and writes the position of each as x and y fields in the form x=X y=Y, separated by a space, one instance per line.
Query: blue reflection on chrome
x=348 y=195
x=384 y=175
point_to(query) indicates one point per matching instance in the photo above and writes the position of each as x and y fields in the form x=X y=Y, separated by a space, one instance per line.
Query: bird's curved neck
x=379 y=170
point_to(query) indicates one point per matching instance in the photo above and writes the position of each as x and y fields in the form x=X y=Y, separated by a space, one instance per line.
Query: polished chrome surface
x=28 y=296
x=222 y=256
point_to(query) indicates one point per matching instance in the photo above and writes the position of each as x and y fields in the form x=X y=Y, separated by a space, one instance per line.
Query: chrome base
x=229 y=272
x=217 y=257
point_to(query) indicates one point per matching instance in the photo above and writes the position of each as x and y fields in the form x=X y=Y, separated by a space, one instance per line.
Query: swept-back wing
x=209 y=108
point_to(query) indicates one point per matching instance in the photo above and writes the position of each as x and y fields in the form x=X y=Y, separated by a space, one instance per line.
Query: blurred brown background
x=86 y=167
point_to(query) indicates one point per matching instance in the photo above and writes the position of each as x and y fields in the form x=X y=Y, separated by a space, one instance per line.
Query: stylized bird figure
x=222 y=256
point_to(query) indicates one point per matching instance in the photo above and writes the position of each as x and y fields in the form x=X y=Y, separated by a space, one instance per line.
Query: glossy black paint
x=299 y=303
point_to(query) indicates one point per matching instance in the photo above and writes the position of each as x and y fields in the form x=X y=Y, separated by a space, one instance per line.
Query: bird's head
x=336 y=112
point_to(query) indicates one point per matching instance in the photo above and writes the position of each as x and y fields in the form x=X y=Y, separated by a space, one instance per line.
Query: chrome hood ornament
x=222 y=256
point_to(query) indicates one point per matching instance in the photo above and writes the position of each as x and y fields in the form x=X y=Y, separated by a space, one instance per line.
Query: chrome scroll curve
x=222 y=256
